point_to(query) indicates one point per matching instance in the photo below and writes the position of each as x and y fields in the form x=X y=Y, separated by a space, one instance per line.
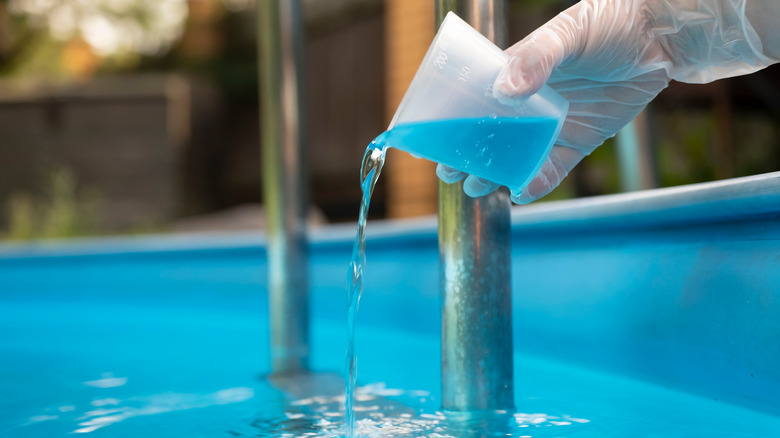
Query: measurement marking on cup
x=441 y=60
x=465 y=72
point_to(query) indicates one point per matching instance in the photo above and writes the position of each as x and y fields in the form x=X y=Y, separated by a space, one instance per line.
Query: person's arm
x=610 y=58
x=707 y=40
x=764 y=16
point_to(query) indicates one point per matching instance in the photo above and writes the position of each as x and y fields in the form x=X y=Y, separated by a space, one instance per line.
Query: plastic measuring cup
x=449 y=115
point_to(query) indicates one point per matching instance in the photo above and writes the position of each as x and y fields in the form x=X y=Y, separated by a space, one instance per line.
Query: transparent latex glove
x=610 y=58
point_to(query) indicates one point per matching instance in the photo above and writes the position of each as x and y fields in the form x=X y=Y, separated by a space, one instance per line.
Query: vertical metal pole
x=635 y=158
x=475 y=269
x=282 y=122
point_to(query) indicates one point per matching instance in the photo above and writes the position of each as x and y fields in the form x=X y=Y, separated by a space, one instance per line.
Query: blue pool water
x=640 y=315
x=113 y=370
x=505 y=150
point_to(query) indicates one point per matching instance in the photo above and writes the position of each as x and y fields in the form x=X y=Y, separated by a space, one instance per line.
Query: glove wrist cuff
x=706 y=40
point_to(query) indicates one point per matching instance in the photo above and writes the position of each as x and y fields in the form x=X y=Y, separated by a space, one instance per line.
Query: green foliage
x=63 y=211
x=685 y=148
x=40 y=57
x=604 y=169
x=21 y=215
x=34 y=35
x=756 y=135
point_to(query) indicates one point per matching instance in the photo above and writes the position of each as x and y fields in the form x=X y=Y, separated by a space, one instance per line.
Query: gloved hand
x=610 y=58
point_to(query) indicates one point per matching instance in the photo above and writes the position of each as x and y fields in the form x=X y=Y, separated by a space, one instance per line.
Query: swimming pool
x=643 y=315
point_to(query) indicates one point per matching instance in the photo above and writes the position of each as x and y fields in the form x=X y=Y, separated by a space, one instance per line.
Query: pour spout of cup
x=371 y=160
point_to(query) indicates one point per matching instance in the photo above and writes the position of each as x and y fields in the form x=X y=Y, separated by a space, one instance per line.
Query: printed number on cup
x=463 y=76
x=441 y=59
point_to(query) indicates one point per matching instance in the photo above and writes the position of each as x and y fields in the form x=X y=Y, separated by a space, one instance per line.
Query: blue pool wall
x=680 y=286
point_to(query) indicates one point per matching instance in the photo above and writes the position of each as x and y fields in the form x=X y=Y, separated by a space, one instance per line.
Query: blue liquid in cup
x=508 y=151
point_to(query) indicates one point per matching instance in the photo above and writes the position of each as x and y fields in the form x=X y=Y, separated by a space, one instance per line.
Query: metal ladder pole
x=475 y=268
x=280 y=35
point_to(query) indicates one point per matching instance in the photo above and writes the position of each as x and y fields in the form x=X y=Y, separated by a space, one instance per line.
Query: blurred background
x=135 y=116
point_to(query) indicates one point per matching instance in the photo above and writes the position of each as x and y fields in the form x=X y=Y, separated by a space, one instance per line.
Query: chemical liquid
x=373 y=160
x=508 y=151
